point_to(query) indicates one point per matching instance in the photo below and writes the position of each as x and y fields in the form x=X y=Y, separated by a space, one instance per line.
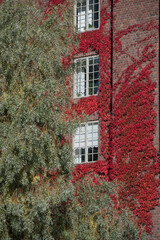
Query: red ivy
x=131 y=154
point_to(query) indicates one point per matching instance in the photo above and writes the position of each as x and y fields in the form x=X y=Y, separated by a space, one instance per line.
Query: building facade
x=116 y=84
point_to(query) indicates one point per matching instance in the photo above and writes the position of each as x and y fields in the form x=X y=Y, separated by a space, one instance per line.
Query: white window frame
x=86 y=141
x=87 y=78
x=86 y=16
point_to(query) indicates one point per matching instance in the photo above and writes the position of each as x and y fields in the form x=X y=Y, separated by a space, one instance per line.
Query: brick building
x=116 y=84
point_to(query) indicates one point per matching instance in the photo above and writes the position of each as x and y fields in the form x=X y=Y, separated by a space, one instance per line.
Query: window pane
x=89 y=135
x=90 y=76
x=95 y=90
x=83 y=151
x=90 y=84
x=80 y=78
x=90 y=61
x=83 y=158
x=83 y=2
x=95 y=143
x=95 y=127
x=95 y=157
x=96 y=8
x=77 y=151
x=96 y=68
x=94 y=76
x=81 y=15
x=91 y=68
x=96 y=60
x=89 y=158
x=89 y=150
x=96 y=15
x=87 y=69
x=96 y=83
x=88 y=141
x=91 y=91
x=95 y=149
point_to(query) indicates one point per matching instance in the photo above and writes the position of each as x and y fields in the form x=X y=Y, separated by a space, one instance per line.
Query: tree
x=34 y=97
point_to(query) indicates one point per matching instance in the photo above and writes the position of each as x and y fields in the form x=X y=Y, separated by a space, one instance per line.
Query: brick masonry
x=127 y=13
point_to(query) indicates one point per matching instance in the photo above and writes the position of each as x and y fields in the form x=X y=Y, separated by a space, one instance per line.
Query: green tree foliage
x=33 y=92
x=33 y=100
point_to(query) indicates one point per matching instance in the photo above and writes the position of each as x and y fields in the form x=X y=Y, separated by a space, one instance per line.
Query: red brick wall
x=127 y=13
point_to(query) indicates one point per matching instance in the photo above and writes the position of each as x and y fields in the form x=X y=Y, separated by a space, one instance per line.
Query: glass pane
x=77 y=131
x=77 y=160
x=81 y=78
x=95 y=127
x=89 y=143
x=89 y=128
x=96 y=16
x=82 y=144
x=96 y=8
x=95 y=135
x=95 y=157
x=96 y=75
x=76 y=144
x=84 y=62
x=82 y=128
x=90 y=61
x=96 y=60
x=96 y=68
x=95 y=143
x=90 y=150
x=96 y=83
x=82 y=137
x=96 y=24
x=89 y=158
x=83 y=151
x=95 y=90
x=90 y=84
x=91 y=68
x=90 y=76
x=83 y=158
x=83 y=2
x=95 y=149
x=91 y=91
x=78 y=4
x=77 y=151
x=89 y=136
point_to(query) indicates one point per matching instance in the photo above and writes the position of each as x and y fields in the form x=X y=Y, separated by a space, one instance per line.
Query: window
x=86 y=143
x=87 y=15
x=87 y=76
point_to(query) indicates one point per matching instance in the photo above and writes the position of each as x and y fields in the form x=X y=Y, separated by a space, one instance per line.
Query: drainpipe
x=111 y=97
x=158 y=153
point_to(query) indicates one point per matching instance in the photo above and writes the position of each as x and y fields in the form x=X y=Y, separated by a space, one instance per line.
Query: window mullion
x=87 y=76
x=75 y=81
x=87 y=9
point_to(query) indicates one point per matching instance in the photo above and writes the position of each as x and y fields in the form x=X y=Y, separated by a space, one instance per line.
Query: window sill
x=85 y=162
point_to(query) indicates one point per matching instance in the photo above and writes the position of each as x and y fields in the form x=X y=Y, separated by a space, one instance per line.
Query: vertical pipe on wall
x=111 y=96
x=159 y=79
x=158 y=154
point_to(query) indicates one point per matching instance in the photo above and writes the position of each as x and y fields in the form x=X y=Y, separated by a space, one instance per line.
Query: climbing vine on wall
x=134 y=121
x=126 y=132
